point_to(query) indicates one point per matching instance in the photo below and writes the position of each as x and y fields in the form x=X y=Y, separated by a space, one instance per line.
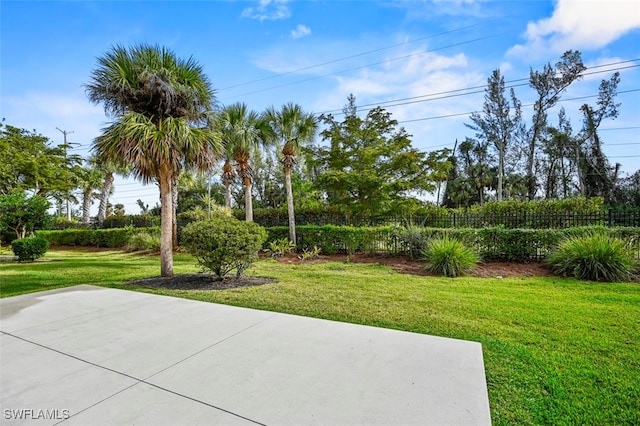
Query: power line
x=467 y=91
x=346 y=58
x=368 y=65
x=524 y=105
x=621 y=128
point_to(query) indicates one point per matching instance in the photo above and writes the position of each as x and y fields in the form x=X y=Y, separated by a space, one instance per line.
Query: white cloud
x=411 y=81
x=268 y=10
x=579 y=24
x=300 y=31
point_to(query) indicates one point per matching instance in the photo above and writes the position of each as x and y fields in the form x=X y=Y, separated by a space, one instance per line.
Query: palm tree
x=108 y=169
x=228 y=175
x=292 y=127
x=243 y=132
x=156 y=100
x=90 y=178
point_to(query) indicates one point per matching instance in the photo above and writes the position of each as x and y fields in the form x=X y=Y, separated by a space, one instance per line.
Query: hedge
x=493 y=243
x=331 y=239
x=113 y=237
x=562 y=213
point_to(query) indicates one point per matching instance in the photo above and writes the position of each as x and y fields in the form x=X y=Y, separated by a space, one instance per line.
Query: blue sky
x=316 y=53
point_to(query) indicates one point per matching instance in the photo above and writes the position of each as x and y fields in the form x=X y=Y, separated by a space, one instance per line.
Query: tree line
x=165 y=130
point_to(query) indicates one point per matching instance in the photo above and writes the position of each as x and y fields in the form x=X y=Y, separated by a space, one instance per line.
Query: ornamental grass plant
x=449 y=257
x=596 y=257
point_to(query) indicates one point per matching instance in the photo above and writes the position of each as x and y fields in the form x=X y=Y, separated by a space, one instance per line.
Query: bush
x=281 y=247
x=596 y=257
x=449 y=257
x=224 y=244
x=147 y=241
x=29 y=249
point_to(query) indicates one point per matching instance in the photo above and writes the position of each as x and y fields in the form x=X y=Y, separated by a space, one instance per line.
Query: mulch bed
x=199 y=282
x=408 y=266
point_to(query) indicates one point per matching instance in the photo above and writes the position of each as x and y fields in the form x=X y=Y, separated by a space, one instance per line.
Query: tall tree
x=228 y=173
x=90 y=179
x=157 y=99
x=598 y=177
x=368 y=166
x=292 y=127
x=269 y=180
x=549 y=85
x=629 y=191
x=108 y=169
x=499 y=122
x=558 y=150
x=244 y=132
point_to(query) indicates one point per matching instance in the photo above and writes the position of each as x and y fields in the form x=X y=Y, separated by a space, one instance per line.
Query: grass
x=556 y=351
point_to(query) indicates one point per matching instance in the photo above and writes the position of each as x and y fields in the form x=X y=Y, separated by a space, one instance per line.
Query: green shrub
x=224 y=244
x=146 y=241
x=596 y=257
x=29 y=249
x=413 y=240
x=112 y=238
x=449 y=257
x=281 y=247
x=309 y=254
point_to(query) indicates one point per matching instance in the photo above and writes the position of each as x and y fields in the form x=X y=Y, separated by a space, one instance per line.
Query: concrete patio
x=89 y=355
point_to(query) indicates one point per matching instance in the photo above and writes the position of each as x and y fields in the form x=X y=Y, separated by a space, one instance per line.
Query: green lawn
x=556 y=351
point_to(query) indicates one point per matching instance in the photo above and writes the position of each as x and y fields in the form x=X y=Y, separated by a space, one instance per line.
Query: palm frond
x=145 y=144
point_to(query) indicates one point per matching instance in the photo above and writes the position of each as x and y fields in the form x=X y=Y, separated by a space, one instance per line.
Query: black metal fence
x=522 y=220
x=525 y=220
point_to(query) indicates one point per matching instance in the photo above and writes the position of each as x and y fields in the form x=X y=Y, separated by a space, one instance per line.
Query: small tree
x=224 y=244
x=22 y=214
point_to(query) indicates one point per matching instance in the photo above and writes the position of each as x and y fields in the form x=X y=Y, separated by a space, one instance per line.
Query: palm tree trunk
x=290 y=211
x=166 y=222
x=86 y=205
x=174 y=215
x=227 y=195
x=248 y=201
x=104 y=197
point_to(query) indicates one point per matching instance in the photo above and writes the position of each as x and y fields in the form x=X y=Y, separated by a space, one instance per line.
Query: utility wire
x=346 y=58
x=524 y=105
x=466 y=91
x=368 y=65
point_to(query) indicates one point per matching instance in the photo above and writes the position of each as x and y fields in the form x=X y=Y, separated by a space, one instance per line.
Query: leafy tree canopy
x=22 y=214
x=369 y=166
x=31 y=163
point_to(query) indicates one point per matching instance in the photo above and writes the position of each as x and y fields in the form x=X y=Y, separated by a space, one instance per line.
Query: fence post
x=454 y=219
x=609 y=217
